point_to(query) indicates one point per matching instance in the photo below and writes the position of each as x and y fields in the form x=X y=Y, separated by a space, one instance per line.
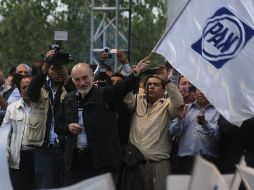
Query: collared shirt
x=16 y=119
x=53 y=138
x=194 y=138
x=15 y=95
x=149 y=123
x=81 y=138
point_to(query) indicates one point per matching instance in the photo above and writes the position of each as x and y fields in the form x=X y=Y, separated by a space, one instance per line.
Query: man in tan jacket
x=149 y=132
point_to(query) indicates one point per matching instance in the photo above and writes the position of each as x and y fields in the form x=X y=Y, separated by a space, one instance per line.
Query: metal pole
x=91 y=33
x=116 y=34
x=104 y=44
x=129 y=31
x=103 y=34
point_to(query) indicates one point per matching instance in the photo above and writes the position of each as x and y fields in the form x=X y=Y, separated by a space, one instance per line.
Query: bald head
x=82 y=77
x=81 y=67
x=23 y=69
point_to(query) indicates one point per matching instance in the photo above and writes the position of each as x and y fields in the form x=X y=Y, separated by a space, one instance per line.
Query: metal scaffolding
x=105 y=32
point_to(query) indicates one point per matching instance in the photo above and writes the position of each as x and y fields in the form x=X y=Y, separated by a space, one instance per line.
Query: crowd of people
x=141 y=125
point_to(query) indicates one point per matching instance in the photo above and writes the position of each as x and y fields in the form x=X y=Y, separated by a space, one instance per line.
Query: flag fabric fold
x=206 y=176
x=211 y=43
x=5 y=180
x=236 y=180
x=247 y=175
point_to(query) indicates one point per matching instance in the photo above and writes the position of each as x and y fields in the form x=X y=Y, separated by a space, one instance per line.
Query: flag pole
x=150 y=54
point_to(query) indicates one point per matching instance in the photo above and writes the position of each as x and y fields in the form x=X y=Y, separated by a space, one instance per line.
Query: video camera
x=60 y=58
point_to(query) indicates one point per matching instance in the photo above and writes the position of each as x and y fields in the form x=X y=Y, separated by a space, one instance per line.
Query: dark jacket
x=123 y=122
x=100 y=122
x=234 y=143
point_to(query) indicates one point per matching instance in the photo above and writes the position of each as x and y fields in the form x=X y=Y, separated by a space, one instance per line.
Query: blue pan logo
x=223 y=37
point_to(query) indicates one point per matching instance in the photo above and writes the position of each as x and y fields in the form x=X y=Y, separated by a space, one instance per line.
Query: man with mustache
x=20 y=155
x=149 y=133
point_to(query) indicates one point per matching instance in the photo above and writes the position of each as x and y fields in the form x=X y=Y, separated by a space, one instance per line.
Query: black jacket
x=234 y=143
x=100 y=122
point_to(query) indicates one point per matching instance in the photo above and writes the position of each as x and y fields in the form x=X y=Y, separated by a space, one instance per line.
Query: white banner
x=182 y=182
x=211 y=43
x=206 y=176
x=174 y=8
x=5 y=180
x=247 y=174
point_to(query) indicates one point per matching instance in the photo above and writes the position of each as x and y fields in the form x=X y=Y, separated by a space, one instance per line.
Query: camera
x=102 y=78
x=60 y=58
x=109 y=52
x=103 y=56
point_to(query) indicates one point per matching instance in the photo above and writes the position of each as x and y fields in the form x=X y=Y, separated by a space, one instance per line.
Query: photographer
x=46 y=91
x=103 y=72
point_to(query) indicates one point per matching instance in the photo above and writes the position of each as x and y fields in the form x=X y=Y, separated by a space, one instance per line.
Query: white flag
x=174 y=8
x=182 y=182
x=211 y=43
x=247 y=175
x=236 y=180
x=176 y=182
x=206 y=176
x=5 y=180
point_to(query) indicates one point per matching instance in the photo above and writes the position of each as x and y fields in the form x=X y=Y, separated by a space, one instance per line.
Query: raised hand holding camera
x=47 y=59
x=103 y=57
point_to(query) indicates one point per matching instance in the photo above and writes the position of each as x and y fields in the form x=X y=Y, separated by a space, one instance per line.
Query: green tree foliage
x=25 y=32
x=76 y=20
x=148 y=24
x=26 y=28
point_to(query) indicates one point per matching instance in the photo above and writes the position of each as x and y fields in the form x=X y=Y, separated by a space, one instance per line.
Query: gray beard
x=84 y=92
